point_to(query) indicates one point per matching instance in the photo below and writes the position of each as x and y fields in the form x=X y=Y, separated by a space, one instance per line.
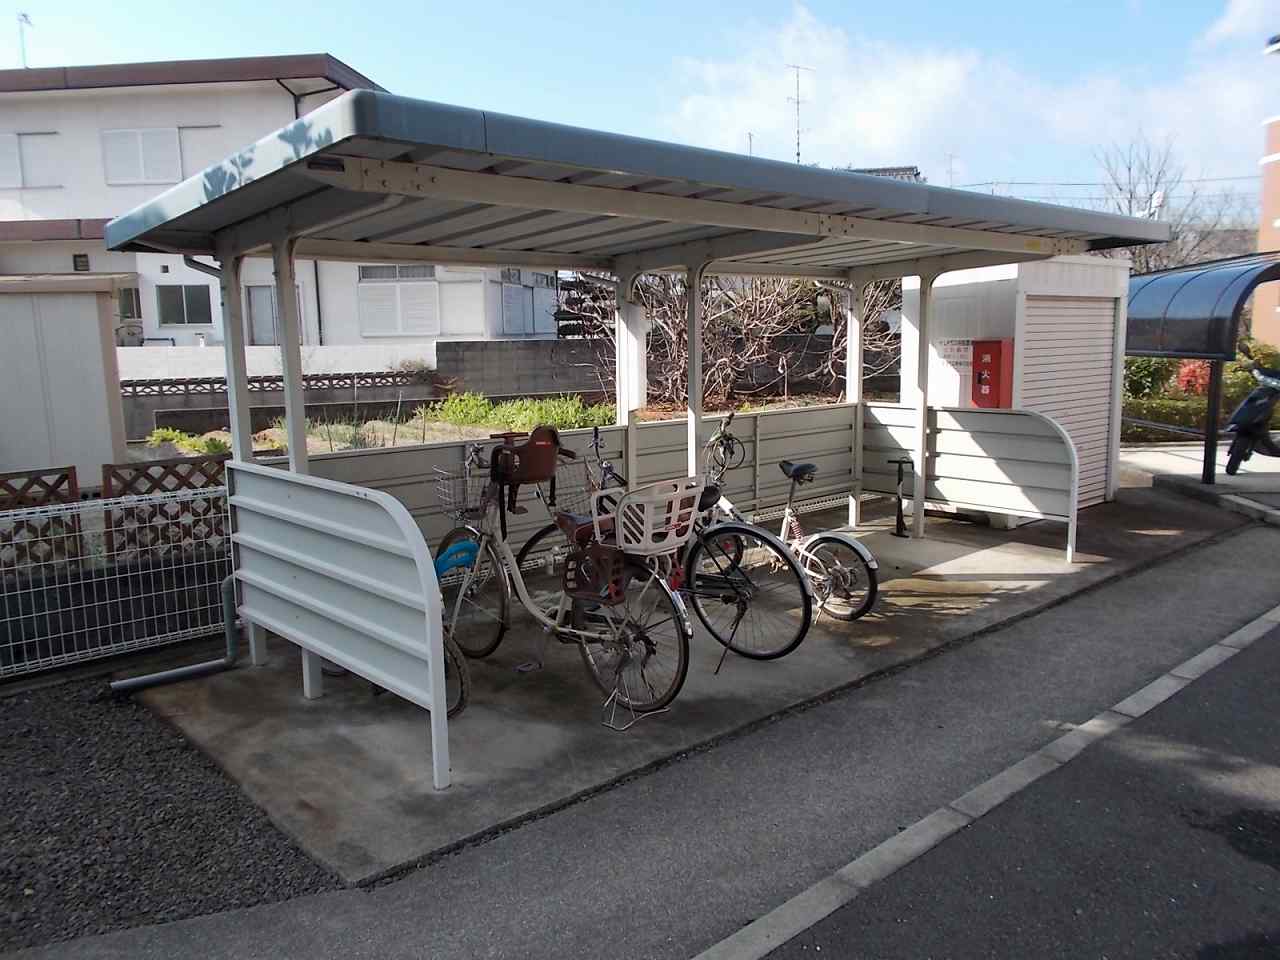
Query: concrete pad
x=990 y=794
x=348 y=774
x=1254 y=492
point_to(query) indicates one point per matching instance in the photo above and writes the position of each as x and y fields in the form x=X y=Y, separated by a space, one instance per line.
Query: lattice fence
x=40 y=539
x=165 y=524
x=100 y=577
x=185 y=386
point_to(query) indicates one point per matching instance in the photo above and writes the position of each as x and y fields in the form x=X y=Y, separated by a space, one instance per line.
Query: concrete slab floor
x=348 y=775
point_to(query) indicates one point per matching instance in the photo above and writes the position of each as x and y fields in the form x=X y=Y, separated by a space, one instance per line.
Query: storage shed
x=59 y=386
x=1059 y=327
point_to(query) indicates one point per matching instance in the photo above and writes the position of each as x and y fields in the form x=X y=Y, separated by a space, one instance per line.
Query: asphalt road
x=671 y=862
x=1162 y=840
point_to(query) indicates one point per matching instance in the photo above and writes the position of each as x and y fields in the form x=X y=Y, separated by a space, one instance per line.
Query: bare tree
x=762 y=336
x=1145 y=179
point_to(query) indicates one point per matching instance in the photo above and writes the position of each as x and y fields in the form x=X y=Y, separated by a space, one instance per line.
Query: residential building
x=80 y=145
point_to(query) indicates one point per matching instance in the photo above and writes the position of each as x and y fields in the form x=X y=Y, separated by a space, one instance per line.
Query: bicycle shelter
x=372 y=177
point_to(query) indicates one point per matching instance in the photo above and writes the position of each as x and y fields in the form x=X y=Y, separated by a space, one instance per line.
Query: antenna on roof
x=24 y=21
x=797 y=101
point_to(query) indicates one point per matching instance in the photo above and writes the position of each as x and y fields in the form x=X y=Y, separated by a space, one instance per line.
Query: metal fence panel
x=344 y=572
x=100 y=577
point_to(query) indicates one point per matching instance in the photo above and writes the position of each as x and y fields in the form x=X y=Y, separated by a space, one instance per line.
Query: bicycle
x=743 y=584
x=840 y=569
x=612 y=598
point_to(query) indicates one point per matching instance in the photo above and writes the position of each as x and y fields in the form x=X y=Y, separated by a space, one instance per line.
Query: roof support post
x=920 y=455
x=295 y=414
x=237 y=370
x=693 y=339
x=854 y=304
x=631 y=362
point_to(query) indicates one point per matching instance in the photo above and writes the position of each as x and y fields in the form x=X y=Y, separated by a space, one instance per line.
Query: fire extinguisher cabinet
x=992 y=377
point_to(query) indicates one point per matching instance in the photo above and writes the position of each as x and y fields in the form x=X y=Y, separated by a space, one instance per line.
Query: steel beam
x=359 y=174
x=682 y=255
x=358 y=251
x=944 y=264
x=920 y=455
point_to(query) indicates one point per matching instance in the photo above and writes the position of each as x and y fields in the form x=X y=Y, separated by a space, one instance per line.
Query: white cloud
x=872 y=102
x=1245 y=20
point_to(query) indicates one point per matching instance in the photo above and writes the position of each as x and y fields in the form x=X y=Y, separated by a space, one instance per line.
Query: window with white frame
x=141 y=156
x=130 y=303
x=29 y=160
x=545 y=280
x=510 y=274
x=398 y=301
x=178 y=303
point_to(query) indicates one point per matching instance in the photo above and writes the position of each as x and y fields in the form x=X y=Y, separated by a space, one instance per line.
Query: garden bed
x=111 y=819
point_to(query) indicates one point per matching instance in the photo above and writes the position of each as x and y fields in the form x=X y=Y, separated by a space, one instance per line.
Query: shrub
x=162 y=435
x=1146 y=377
x=476 y=410
x=463 y=409
x=1193 y=377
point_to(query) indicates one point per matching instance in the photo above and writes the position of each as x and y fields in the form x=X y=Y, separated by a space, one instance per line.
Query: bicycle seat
x=578 y=528
x=799 y=472
x=709 y=497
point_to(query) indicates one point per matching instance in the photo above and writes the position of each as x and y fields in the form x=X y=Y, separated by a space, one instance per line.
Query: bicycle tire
x=851 y=564
x=480 y=633
x=458 y=694
x=614 y=668
x=727 y=579
x=535 y=542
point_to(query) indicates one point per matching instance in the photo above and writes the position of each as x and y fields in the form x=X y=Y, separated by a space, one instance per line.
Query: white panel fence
x=343 y=572
x=1012 y=462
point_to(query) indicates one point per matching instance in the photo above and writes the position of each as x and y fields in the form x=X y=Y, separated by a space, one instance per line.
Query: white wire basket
x=461 y=495
x=648 y=521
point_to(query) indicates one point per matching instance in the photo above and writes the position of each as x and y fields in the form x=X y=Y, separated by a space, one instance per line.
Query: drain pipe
x=195 y=670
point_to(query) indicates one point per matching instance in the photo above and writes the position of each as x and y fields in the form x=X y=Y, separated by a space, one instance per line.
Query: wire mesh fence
x=100 y=577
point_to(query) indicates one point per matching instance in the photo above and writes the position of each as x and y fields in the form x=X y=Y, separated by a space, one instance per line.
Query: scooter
x=1251 y=421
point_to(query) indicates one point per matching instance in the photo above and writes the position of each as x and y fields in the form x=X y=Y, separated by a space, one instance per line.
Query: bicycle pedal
x=529 y=666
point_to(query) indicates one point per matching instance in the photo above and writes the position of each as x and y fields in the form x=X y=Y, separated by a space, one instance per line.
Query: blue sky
x=979 y=91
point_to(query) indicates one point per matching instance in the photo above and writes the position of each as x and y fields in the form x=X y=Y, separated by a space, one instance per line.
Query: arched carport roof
x=1194 y=312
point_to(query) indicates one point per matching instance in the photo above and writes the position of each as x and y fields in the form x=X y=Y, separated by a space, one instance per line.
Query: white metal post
x=854 y=304
x=295 y=410
x=237 y=371
x=920 y=456
x=238 y=402
x=295 y=413
x=631 y=363
x=693 y=337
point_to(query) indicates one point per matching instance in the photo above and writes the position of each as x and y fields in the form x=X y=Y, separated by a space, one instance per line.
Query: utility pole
x=24 y=21
x=951 y=169
x=797 y=101
x=751 y=144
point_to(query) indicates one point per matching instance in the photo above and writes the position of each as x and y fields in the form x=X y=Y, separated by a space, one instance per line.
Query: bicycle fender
x=858 y=546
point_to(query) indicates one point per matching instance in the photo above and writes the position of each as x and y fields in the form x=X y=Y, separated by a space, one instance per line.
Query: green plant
x=1146 y=377
x=463 y=409
x=211 y=446
x=162 y=435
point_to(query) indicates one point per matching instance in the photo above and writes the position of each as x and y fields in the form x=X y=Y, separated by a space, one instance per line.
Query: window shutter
x=378 y=306
x=419 y=312
x=120 y=156
x=161 y=158
x=40 y=159
x=10 y=163
x=512 y=308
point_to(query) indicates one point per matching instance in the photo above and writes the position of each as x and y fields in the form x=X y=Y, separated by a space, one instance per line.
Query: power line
x=1093 y=183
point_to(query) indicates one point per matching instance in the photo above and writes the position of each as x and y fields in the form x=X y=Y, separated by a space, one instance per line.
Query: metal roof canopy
x=372 y=176
x=1194 y=312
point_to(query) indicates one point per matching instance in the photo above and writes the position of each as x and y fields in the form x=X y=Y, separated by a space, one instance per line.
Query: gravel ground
x=110 y=819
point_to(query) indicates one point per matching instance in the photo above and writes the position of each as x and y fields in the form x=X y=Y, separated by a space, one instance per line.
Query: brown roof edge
x=321 y=66
x=26 y=230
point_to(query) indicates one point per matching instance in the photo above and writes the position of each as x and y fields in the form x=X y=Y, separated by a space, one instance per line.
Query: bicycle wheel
x=747 y=590
x=476 y=600
x=844 y=584
x=457 y=678
x=646 y=658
